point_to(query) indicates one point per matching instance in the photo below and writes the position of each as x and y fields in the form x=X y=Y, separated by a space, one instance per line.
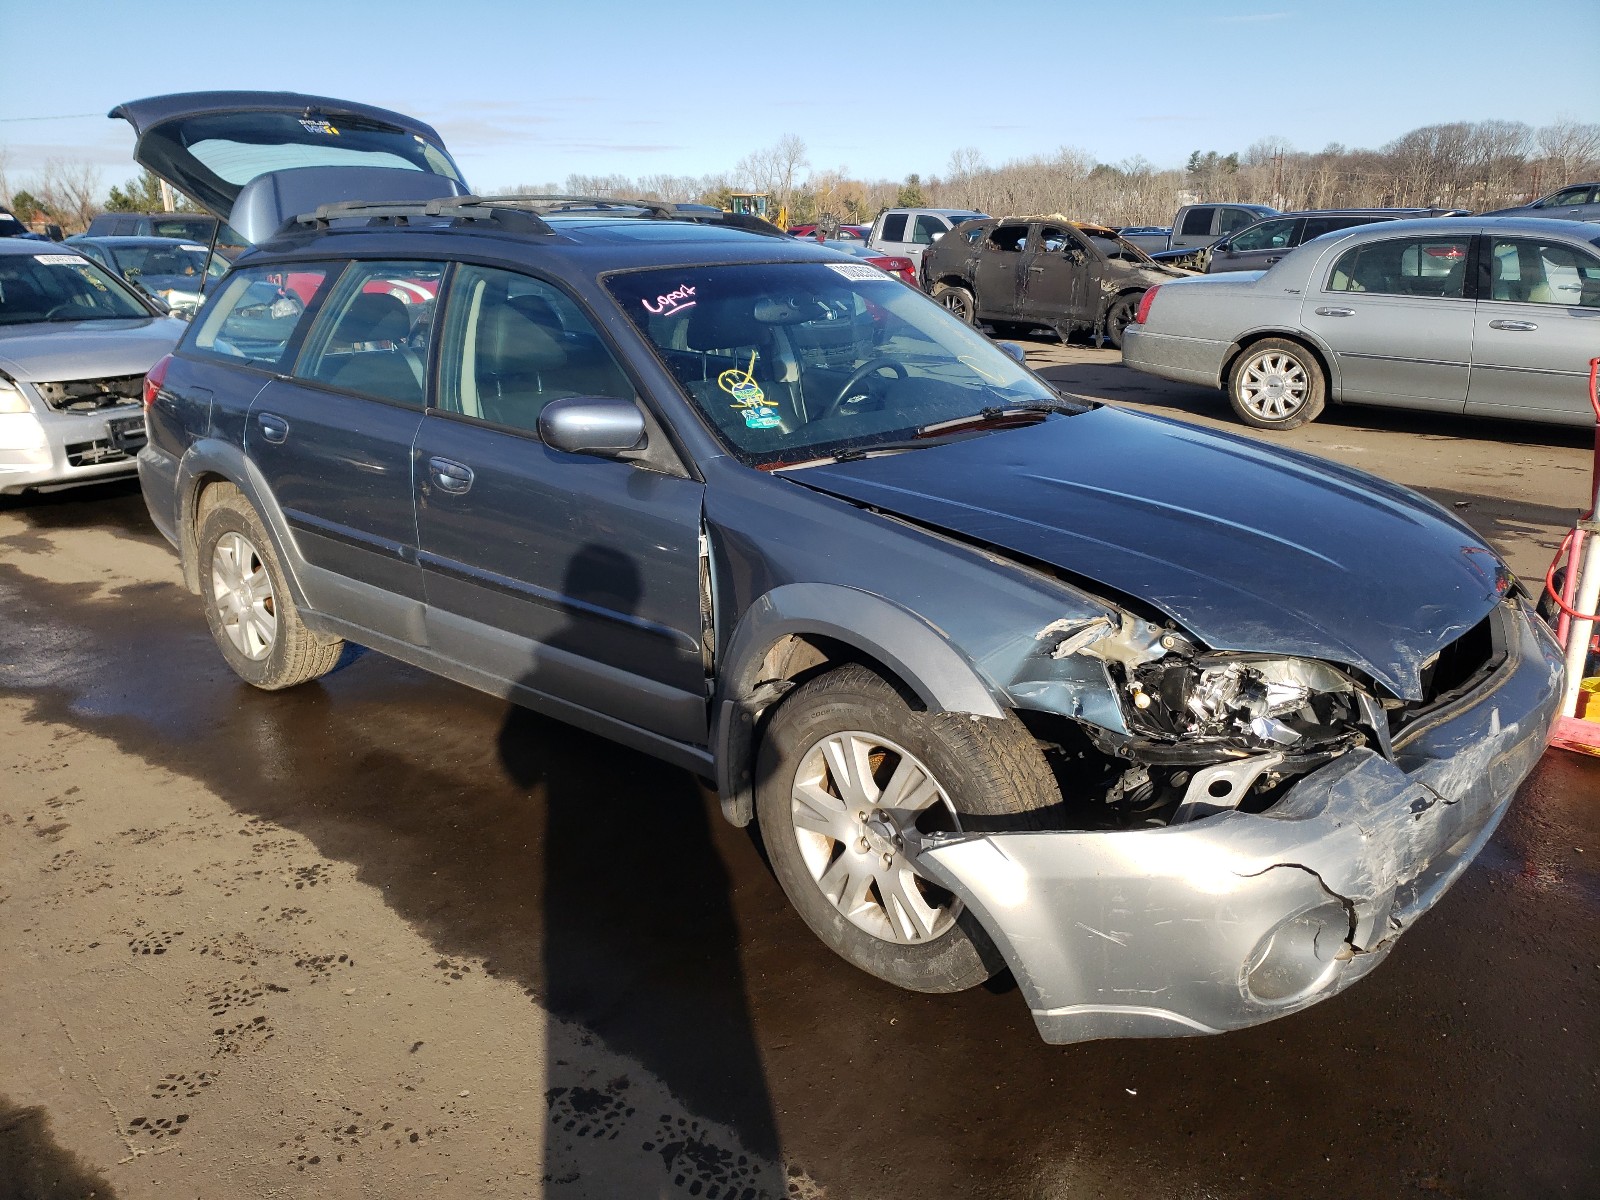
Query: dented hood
x=1248 y=547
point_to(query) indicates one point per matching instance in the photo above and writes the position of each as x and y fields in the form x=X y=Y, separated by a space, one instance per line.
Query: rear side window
x=1527 y=271
x=1009 y=238
x=1414 y=266
x=1197 y=221
x=258 y=313
x=1568 y=198
x=894 y=228
x=375 y=331
x=512 y=344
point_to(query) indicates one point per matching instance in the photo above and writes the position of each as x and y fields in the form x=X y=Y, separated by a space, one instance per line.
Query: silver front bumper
x=77 y=448
x=1240 y=918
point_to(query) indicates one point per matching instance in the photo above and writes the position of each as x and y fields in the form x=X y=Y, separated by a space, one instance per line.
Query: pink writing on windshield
x=671 y=302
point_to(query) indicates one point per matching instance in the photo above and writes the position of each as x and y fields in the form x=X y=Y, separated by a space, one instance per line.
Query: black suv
x=990 y=667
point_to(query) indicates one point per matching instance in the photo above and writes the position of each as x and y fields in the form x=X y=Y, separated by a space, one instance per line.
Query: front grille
x=88 y=454
x=86 y=395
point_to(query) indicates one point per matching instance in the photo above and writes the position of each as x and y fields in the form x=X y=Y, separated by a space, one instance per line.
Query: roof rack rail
x=563 y=203
x=461 y=208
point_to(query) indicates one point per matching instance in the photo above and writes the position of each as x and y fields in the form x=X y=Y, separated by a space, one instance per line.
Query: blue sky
x=528 y=92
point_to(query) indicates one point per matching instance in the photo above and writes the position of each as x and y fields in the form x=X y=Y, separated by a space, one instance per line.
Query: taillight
x=154 y=379
x=1144 y=305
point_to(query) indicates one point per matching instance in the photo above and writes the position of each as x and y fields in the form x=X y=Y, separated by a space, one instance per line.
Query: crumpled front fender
x=1240 y=918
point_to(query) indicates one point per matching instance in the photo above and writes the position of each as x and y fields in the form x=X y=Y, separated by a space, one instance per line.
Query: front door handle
x=1036 y=270
x=274 y=428
x=1513 y=326
x=1272 y=259
x=1336 y=312
x=448 y=476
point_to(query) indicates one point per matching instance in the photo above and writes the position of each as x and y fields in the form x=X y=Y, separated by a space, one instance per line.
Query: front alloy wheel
x=857 y=801
x=242 y=591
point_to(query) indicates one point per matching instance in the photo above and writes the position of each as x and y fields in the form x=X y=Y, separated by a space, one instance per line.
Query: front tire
x=252 y=617
x=1276 y=384
x=958 y=300
x=1119 y=316
x=848 y=775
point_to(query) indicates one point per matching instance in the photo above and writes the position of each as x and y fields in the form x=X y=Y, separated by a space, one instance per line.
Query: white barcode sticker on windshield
x=188 y=246
x=60 y=260
x=859 y=271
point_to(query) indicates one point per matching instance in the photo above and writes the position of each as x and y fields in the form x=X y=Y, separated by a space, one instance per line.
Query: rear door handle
x=1036 y=270
x=448 y=476
x=1336 y=312
x=1513 y=326
x=275 y=429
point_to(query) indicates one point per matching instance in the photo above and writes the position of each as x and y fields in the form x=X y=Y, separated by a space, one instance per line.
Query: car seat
x=368 y=353
x=512 y=367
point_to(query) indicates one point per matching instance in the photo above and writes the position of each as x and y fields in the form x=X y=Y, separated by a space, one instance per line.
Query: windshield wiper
x=941 y=432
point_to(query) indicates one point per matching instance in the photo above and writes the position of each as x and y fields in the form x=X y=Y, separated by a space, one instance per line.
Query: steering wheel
x=50 y=316
x=857 y=378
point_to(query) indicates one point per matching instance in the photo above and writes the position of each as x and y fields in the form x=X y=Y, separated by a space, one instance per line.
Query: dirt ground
x=383 y=936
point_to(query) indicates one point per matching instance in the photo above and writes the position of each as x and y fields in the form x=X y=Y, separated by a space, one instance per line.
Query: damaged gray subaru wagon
x=1183 y=730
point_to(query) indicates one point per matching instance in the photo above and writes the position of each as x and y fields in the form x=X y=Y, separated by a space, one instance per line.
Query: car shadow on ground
x=640 y=944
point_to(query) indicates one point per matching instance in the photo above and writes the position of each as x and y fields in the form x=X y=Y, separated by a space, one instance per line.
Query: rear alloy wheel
x=1276 y=384
x=253 y=618
x=958 y=300
x=1119 y=316
x=851 y=778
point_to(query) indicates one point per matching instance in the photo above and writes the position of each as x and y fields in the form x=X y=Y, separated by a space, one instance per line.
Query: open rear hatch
x=256 y=159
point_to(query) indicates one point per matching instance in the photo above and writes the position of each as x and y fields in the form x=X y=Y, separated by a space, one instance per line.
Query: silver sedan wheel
x=242 y=591
x=1274 y=385
x=857 y=799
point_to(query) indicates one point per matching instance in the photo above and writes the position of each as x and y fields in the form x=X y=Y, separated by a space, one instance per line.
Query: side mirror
x=598 y=425
x=1015 y=351
x=1224 y=245
x=1073 y=254
x=937 y=236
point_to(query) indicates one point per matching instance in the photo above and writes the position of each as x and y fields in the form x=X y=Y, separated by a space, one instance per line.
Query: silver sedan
x=1487 y=316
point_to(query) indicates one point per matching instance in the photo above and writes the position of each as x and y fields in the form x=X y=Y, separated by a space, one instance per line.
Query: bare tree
x=1570 y=149
x=775 y=170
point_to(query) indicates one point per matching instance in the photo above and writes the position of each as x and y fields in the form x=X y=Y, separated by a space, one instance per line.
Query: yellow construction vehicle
x=758 y=204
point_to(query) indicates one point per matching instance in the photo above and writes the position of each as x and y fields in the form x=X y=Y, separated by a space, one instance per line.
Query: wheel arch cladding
x=211 y=463
x=875 y=631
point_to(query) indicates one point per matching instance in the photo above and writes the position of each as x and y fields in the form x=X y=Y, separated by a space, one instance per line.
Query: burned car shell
x=1059 y=275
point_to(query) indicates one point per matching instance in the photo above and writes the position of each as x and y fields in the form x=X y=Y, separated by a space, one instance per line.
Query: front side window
x=1269 y=235
x=258 y=313
x=792 y=361
x=1567 y=198
x=1236 y=218
x=926 y=228
x=894 y=228
x=1528 y=271
x=53 y=286
x=1197 y=221
x=513 y=343
x=1053 y=239
x=374 y=332
x=1413 y=266
x=1008 y=238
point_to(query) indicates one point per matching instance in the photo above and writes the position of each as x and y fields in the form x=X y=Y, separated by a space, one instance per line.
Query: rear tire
x=252 y=617
x=958 y=300
x=845 y=768
x=1276 y=384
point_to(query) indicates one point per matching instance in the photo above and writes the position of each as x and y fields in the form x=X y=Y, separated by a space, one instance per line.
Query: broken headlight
x=1255 y=704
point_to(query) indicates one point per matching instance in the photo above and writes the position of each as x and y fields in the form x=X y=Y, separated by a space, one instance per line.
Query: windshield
x=61 y=287
x=796 y=361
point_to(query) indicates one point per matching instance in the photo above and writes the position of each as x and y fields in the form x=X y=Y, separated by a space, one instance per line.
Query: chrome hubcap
x=1274 y=385
x=242 y=591
x=856 y=803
